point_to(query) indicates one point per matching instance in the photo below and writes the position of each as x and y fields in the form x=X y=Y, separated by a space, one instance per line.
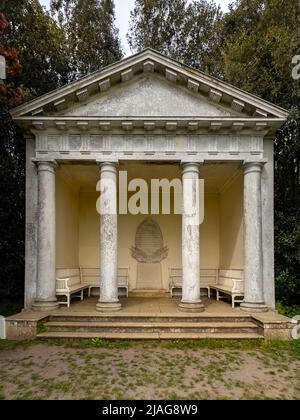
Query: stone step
x=133 y=327
x=149 y=293
x=149 y=336
x=146 y=318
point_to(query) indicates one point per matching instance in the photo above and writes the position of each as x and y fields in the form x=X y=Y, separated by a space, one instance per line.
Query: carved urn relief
x=149 y=251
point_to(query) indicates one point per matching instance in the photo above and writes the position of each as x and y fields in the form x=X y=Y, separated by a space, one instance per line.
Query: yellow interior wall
x=77 y=229
x=127 y=226
x=66 y=224
x=89 y=230
x=210 y=233
x=231 y=226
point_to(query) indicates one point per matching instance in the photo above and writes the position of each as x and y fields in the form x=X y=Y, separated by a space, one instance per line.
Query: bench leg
x=81 y=295
x=208 y=292
x=218 y=295
x=68 y=300
x=233 y=302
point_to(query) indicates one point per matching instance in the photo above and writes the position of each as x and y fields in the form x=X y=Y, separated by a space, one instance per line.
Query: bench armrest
x=176 y=281
x=62 y=284
x=238 y=286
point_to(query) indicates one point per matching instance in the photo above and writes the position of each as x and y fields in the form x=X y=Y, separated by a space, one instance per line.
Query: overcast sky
x=123 y=8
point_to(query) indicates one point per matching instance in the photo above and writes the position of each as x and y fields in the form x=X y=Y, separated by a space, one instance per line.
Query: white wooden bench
x=229 y=283
x=91 y=277
x=69 y=283
x=208 y=276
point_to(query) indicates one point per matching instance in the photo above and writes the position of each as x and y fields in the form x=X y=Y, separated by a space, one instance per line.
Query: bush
x=289 y=311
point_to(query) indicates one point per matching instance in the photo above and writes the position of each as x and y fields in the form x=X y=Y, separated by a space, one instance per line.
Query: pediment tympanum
x=148 y=96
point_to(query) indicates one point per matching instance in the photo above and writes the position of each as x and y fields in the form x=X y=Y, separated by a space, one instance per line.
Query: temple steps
x=150 y=336
x=147 y=318
x=139 y=327
x=132 y=327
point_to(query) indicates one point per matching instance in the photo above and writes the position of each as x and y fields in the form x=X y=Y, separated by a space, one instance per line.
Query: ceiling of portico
x=85 y=177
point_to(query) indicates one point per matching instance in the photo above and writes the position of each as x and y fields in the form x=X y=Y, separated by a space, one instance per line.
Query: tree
x=12 y=178
x=10 y=95
x=91 y=35
x=41 y=43
x=259 y=40
x=185 y=32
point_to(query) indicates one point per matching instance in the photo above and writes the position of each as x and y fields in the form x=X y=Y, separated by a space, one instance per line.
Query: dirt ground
x=146 y=371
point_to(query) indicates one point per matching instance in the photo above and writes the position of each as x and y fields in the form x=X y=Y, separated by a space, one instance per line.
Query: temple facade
x=147 y=118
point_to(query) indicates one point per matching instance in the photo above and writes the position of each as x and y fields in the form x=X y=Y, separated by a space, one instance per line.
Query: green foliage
x=287 y=210
x=91 y=37
x=41 y=44
x=263 y=346
x=289 y=311
x=90 y=343
x=187 y=32
x=42 y=327
x=12 y=210
x=260 y=38
x=79 y=38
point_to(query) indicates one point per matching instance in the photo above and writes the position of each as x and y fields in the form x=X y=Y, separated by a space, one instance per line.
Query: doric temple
x=149 y=117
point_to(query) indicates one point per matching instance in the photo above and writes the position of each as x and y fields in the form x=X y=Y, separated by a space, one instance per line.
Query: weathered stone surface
x=21 y=330
x=148 y=96
x=253 y=260
x=108 y=240
x=191 y=300
x=46 y=266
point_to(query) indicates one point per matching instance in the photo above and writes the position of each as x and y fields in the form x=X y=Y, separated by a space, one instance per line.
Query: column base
x=45 y=305
x=108 y=306
x=196 y=306
x=254 y=307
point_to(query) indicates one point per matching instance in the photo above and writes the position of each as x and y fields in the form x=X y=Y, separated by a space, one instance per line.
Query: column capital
x=190 y=167
x=255 y=166
x=108 y=166
x=46 y=165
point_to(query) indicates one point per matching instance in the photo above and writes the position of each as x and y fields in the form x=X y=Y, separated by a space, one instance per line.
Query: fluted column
x=45 y=292
x=191 y=301
x=108 y=300
x=253 y=253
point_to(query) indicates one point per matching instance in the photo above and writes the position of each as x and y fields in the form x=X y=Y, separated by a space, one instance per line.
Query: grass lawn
x=97 y=369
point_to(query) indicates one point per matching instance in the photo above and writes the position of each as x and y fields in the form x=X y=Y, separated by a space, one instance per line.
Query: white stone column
x=45 y=291
x=253 y=253
x=108 y=300
x=191 y=301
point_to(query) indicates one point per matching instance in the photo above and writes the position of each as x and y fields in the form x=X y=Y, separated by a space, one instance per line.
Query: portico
x=153 y=118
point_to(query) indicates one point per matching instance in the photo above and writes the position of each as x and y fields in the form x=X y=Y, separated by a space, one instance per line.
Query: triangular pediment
x=149 y=85
x=148 y=96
